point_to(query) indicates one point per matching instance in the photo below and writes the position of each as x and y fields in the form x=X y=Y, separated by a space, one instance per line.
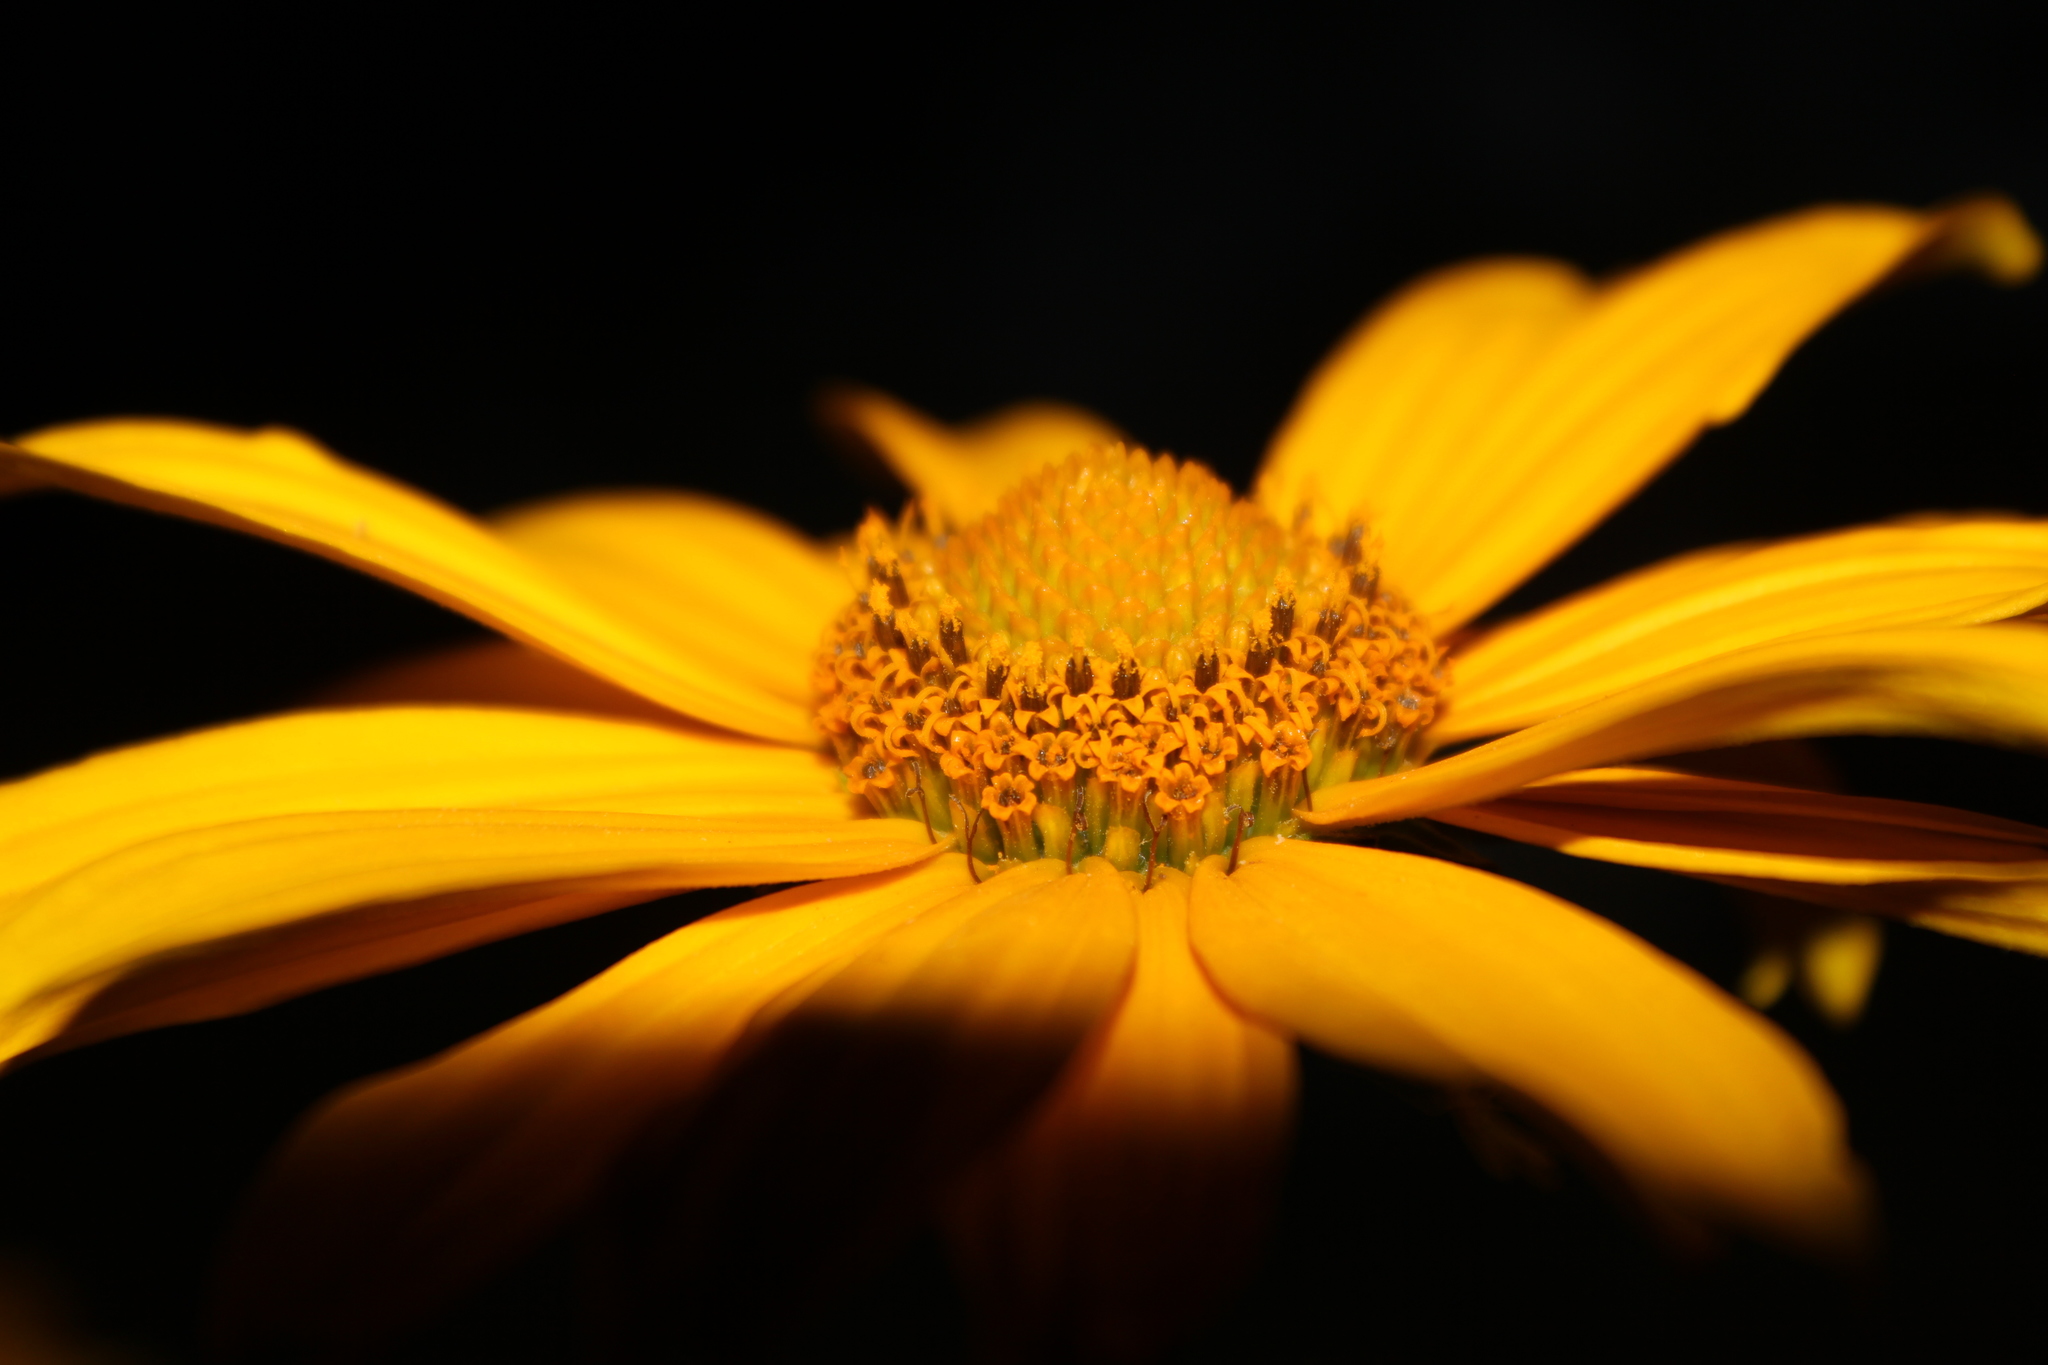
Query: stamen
x=1080 y=673
x=1281 y=604
x=1123 y=684
x=952 y=632
x=1240 y=821
x=973 y=872
x=924 y=807
x=996 y=670
x=1208 y=664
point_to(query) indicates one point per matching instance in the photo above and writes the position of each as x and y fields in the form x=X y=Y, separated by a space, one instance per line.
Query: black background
x=501 y=259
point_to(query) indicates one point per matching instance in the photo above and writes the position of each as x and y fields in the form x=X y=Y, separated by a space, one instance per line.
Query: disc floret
x=1122 y=660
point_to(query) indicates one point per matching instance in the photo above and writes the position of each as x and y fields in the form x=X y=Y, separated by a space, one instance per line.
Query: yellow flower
x=1077 y=1040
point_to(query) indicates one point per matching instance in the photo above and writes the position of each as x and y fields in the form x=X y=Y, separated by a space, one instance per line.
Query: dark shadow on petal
x=734 y=1224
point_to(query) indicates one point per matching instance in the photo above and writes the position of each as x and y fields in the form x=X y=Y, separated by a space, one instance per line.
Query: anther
x=996 y=671
x=1281 y=603
x=1328 y=622
x=1350 y=547
x=1258 y=657
x=1080 y=674
x=877 y=599
x=920 y=652
x=1283 y=617
x=1128 y=677
x=952 y=632
x=1030 y=678
x=889 y=571
x=1208 y=660
x=1365 y=583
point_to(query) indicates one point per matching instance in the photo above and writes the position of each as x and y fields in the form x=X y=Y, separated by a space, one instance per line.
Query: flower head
x=1154 y=717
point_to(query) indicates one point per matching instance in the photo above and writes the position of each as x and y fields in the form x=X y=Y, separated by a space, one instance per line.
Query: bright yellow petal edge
x=1486 y=417
x=283 y=486
x=225 y=870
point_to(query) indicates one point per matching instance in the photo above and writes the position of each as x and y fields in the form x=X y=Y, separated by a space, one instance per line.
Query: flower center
x=1121 y=660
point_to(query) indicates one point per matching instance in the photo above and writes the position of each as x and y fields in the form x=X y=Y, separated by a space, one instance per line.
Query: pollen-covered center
x=1122 y=660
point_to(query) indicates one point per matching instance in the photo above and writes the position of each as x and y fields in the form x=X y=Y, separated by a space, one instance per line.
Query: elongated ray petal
x=1702 y=1106
x=864 y=1093
x=281 y=485
x=224 y=870
x=961 y=471
x=1949 y=869
x=1927 y=573
x=402 y=1191
x=1393 y=404
x=1137 y=1194
x=715 y=582
x=1485 y=418
x=1988 y=685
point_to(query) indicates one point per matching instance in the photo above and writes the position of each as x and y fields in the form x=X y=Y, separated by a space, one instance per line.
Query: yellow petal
x=1136 y=1197
x=962 y=470
x=278 y=484
x=1927 y=573
x=493 y=673
x=1395 y=402
x=397 y=1194
x=1487 y=417
x=859 y=1096
x=220 y=871
x=1989 y=686
x=1703 y=1107
x=715 y=582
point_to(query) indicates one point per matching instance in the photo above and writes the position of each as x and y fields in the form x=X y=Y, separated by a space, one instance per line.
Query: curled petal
x=1713 y=826
x=1966 y=874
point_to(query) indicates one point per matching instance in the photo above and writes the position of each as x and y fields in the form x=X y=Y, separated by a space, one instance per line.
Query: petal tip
x=1986 y=233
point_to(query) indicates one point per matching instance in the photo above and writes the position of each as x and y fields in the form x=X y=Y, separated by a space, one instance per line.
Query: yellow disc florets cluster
x=1122 y=660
